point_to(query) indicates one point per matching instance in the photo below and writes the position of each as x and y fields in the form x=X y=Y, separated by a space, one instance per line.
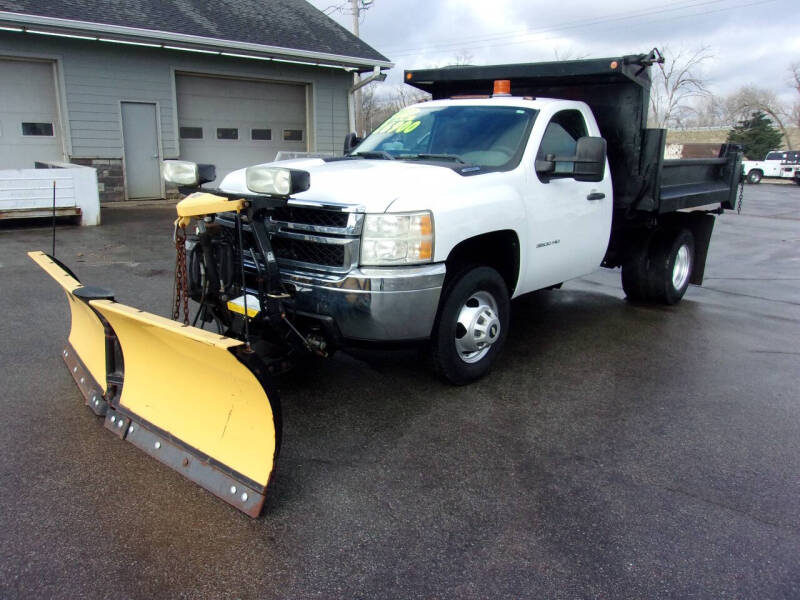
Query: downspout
x=351 y=96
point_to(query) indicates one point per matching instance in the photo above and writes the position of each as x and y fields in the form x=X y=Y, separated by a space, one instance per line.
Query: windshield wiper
x=381 y=154
x=453 y=157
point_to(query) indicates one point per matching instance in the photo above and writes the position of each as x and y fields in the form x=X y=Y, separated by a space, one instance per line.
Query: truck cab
x=434 y=180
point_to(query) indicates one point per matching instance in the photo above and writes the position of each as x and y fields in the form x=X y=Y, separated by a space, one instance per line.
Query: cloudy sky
x=752 y=41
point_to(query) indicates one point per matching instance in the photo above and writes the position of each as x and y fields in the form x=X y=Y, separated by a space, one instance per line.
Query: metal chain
x=181 y=280
x=741 y=196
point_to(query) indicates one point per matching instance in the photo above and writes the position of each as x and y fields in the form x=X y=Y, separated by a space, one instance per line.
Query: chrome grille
x=325 y=239
x=304 y=237
x=310 y=216
x=308 y=252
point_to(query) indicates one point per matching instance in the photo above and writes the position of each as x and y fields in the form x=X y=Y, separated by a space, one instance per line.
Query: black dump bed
x=618 y=92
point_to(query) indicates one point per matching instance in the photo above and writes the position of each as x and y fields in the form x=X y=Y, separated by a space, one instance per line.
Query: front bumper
x=389 y=304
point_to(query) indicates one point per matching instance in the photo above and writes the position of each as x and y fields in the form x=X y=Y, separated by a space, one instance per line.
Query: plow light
x=276 y=181
x=186 y=173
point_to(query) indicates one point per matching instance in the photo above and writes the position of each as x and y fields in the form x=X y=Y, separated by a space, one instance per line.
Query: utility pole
x=356 y=6
x=356 y=12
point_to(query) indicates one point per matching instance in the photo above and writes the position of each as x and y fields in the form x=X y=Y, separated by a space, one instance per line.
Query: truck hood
x=366 y=185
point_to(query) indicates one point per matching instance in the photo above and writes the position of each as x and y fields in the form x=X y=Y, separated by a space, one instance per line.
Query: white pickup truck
x=782 y=164
x=424 y=231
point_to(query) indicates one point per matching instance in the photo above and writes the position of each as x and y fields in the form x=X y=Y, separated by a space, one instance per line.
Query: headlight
x=401 y=239
x=276 y=181
x=181 y=172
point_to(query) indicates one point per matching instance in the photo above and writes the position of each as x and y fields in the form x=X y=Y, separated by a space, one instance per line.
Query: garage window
x=292 y=135
x=261 y=134
x=41 y=129
x=191 y=133
x=227 y=133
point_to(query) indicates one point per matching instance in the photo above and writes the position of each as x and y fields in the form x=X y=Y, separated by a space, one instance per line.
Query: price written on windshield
x=403 y=122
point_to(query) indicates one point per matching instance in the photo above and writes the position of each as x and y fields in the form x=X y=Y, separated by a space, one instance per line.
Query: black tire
x=467 y=296
x=670 y=266
x=754 y=176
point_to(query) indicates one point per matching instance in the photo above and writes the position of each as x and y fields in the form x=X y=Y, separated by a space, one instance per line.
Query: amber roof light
x=502 y=87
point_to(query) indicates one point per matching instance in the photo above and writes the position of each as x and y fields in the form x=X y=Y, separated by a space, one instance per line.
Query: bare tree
x=708 y=111
x=794 y=69
x=404 y=95
x=463 y=59
x=676 y=84
x=368 y=109
x=750 y=98
x=378 y=103
x=568 y=54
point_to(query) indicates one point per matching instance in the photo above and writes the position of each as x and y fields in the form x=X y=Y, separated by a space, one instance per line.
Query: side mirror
x=546 y=166
x=590 y=159
x=351 y=140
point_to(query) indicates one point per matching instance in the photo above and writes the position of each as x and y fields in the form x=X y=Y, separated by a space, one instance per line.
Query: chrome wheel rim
x=477 y=327
x=680 y=270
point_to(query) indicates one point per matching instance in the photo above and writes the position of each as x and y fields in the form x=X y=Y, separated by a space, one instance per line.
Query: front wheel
x=471 y=326
x=754 y=176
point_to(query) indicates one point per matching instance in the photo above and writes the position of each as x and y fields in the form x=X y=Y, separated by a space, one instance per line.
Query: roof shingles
x=294 y=24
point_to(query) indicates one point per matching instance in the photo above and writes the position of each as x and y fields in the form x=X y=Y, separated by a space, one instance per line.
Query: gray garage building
x=122 y=85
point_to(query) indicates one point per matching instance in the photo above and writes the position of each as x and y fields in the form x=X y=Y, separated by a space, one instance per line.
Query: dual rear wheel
x=660 y=267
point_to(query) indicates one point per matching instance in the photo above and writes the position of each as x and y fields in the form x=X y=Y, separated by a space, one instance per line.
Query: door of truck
x=773 y=164
x=569 y=221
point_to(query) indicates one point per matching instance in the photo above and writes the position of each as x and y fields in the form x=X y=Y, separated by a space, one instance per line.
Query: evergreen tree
x=756 y=135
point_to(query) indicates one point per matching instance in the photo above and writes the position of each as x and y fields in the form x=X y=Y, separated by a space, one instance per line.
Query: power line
x=565 y=25
x=599 y=21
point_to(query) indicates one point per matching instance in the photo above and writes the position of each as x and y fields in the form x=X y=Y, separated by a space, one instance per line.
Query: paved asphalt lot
x=617 y=451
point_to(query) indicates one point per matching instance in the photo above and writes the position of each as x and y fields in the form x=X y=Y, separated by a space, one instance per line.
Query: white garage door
x=234 y=123
x=29 y=129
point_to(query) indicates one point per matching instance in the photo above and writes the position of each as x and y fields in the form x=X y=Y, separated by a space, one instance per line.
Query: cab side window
x=561 y=139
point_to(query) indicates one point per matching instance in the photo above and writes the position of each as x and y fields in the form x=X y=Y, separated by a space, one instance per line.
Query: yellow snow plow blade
x=85 y=352
x=188 y=383
x=194 y=400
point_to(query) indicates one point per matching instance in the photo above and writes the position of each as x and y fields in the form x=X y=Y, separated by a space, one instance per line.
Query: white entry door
x=142 y=156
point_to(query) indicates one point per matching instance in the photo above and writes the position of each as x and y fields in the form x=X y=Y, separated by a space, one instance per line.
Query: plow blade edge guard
x=192 y=399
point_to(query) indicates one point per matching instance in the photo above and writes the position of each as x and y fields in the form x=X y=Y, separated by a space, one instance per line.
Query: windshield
x=484 y=136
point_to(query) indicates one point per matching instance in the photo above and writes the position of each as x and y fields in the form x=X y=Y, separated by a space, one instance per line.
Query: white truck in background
x=781 y=164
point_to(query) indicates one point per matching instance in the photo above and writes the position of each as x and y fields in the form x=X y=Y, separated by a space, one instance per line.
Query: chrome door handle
x=596 y=196
x=154 y=156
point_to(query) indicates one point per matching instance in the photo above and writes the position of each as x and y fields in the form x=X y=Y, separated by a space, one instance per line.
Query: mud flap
x=195 y=400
